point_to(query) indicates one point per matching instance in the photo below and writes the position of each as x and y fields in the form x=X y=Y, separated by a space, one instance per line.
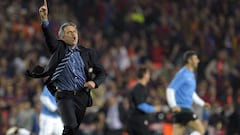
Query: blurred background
x=126 y=34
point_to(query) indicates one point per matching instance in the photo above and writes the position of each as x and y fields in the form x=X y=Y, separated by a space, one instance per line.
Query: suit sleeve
x=50 y=38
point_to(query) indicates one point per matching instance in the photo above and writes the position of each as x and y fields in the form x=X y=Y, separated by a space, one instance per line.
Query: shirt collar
x=72 y=50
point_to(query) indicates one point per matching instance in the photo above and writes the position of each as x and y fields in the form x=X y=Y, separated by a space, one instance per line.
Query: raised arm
x=50 y=38
x=43 y=11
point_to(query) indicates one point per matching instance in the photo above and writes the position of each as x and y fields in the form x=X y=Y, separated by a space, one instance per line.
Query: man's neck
x=74 y=46
x=189 y=67
x=142 y=81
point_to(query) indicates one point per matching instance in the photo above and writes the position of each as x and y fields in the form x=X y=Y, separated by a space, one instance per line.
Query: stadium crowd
x=126 y=33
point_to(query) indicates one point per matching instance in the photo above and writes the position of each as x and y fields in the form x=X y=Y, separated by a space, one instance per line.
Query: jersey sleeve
x=177 y=82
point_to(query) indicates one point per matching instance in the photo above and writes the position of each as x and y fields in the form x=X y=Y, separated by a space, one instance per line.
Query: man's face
x=147 y=76
x=194 y=60
x=70 y=35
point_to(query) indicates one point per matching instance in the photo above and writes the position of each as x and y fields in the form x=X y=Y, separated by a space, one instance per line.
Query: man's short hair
x=187 y=55
x=61 y=29
x=141 y=71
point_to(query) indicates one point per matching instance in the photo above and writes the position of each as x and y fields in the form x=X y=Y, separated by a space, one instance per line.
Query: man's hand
x=207 y=106
x=176 y=109
x=90 y=84
x=43 y=11
x=57 y=112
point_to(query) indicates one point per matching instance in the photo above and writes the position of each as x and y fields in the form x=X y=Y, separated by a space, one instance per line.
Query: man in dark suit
x=72 y=71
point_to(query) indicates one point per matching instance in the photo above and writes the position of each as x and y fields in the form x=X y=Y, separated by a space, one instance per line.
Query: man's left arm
x=97 y=69
x=199 y=101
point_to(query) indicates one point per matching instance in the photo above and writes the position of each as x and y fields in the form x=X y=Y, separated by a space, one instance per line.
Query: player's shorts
x=184 y=116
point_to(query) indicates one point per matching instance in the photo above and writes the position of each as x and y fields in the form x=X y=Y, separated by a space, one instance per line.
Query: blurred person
x=115 y=114
x=120 y=55
x=181 y=93
x=233 y=121
x=203 y=89
x=137 y=123
x=25 y=116
x=49 y=120
x=234 y=75
x=218 y=71
x=89 y=123
x=72 y=71
x=216 y=121
x=157 y=53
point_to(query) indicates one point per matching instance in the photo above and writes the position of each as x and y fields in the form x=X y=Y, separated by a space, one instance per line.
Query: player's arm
x=147 y=108
x=47 y=102
x=49 y=35
x=171 y=99
x=199 y=101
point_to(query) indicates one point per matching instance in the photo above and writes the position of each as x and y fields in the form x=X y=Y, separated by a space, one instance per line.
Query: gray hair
x=61 y=29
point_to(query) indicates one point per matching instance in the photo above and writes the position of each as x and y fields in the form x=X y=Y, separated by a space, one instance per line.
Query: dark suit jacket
x=58 y=49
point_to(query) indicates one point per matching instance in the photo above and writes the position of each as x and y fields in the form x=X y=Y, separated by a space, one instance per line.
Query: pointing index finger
x=45 y=3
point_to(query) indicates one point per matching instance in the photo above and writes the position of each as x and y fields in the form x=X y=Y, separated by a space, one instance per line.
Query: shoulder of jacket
x=85 y=48
x=61 y=42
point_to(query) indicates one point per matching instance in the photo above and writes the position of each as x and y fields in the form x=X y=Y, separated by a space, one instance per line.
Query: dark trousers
x=137 y=125
x=114 y=132
x=72 y=109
